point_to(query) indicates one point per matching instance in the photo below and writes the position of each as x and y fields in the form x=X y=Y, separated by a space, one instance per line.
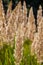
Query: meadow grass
x=7 y=57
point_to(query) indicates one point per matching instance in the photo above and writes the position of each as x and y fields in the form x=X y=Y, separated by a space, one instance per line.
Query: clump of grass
x=28 y=59
x=6 y=55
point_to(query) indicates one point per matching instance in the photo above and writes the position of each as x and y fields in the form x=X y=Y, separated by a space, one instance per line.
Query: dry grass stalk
x=20 y=34
x=39 y=18
x=19 y=39
x=31 y=28
x=9 y=11
x=24 y=18
x=37 y=45
x=12 y=24
x=25 y=9
x=39 y=15
x=2 y=22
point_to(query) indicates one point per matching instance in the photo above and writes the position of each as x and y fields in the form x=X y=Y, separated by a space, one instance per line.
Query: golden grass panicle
x=31 y=28
x=9 y=11
x=38 y=43
x=19 y=38
x=12 y=23
x=24 y=18
x=39 y=15
x=2 y=22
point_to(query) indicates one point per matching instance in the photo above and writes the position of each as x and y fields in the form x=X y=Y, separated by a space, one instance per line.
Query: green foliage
x=28 y=59
x=6 y=55
x=7 y=58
